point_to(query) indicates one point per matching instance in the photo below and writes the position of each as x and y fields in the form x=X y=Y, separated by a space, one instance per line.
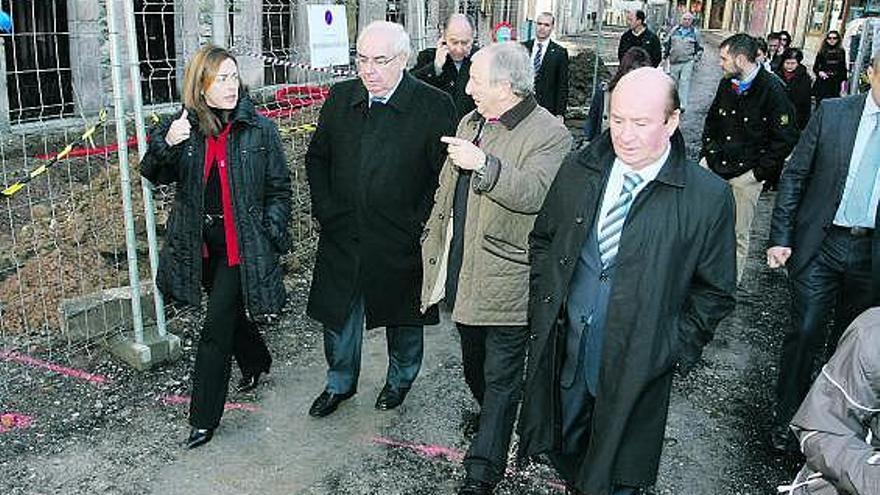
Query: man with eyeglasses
x=447 y=66
x=372 y=168
x=551 y=66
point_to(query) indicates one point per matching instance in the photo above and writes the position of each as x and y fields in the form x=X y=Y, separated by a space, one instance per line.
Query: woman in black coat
x=830 y=68
x=227 y=227
x=797 y=85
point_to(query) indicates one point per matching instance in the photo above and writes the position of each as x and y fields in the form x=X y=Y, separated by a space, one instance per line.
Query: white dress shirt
x=866 y=126
x=387 y=96
x=615 y=183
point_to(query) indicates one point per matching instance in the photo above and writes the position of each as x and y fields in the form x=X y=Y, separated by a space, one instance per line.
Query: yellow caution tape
x=86 y=137
x=299 y=129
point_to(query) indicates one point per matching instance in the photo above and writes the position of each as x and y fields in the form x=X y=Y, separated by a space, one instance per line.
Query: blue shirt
x=866 y=126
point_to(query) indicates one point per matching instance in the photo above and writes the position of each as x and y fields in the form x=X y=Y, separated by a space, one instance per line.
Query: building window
x=38 y=76
x=154 y=22
x=277 y=39
x=394 y=11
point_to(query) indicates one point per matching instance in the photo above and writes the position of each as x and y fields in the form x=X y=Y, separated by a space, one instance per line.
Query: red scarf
x=215 y=152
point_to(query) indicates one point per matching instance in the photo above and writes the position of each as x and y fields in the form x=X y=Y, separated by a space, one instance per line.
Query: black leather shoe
x=782 y=440
x=327 y=402
x=389 y=397
x=199 y=437
x=476 y=487
x=248 y=382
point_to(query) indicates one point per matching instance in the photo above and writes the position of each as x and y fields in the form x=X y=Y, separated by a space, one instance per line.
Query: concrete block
x=107 y=314
x=153 y=351
x=100 y=313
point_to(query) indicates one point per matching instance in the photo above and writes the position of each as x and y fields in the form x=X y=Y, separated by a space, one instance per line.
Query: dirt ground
x=117 y=431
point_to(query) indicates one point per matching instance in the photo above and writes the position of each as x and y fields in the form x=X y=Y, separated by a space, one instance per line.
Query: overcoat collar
x=515 y=115
x=400 y=100
x=600 y=157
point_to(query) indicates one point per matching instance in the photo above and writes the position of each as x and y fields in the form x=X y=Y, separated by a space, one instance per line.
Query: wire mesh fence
x=62 y=230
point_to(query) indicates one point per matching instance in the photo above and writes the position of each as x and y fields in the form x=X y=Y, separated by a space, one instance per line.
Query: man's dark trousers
x=839 y=279
x=342 y=349
x=493 y=358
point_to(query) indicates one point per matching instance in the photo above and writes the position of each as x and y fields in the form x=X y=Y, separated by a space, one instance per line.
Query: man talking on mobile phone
x=447 y=66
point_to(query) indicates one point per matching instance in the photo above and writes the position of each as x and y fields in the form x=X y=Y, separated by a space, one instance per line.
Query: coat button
x=564 y=260
x=579 y=220
x=441 y=216
x=603 y=277
x=548 y=298
x=432 y=261
x=745 y=119
x=728 y=138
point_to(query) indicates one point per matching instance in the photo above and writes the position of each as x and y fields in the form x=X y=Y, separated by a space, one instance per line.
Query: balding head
x=459 y=21
x=458 y=35
x=382 y=52
x=643 y=120
x=389 y=34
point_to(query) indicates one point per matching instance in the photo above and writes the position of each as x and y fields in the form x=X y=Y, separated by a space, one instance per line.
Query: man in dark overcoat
x=372 y=167
x=447 y=66
x=632 y=269
x=823 y=233
x=550 y=60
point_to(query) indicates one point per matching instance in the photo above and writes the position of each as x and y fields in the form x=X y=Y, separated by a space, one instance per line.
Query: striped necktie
x=537 y=61
x=612 y=225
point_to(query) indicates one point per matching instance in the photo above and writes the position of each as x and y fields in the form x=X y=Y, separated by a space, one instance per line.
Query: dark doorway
x=38 y=76
x=154 y=21
x=716 y=15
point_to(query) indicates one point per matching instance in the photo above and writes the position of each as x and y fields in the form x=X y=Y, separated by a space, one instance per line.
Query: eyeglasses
x=380 y=61
x=832 y=38
x=222 y=78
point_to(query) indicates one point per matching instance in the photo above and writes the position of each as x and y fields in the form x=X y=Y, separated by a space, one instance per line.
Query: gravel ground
x=123 y=435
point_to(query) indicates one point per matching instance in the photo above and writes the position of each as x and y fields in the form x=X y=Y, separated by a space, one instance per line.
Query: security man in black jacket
x=447 y=67
x=749 y=131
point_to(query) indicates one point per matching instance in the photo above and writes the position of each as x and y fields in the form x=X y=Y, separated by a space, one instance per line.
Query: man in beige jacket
x=475 y=249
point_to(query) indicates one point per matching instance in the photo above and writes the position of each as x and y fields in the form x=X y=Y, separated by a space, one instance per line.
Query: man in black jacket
x=551 y=67
x=823 y=233
x=638 y=34
x=749 y=131
x=372 y=167
x=631 y=270
x=447 y=67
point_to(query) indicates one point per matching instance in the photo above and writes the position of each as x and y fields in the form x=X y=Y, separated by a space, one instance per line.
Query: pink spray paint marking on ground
x=430 y=451
x=17 y=357
x=441 y=452
x=14 y=421
x=176 y=400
